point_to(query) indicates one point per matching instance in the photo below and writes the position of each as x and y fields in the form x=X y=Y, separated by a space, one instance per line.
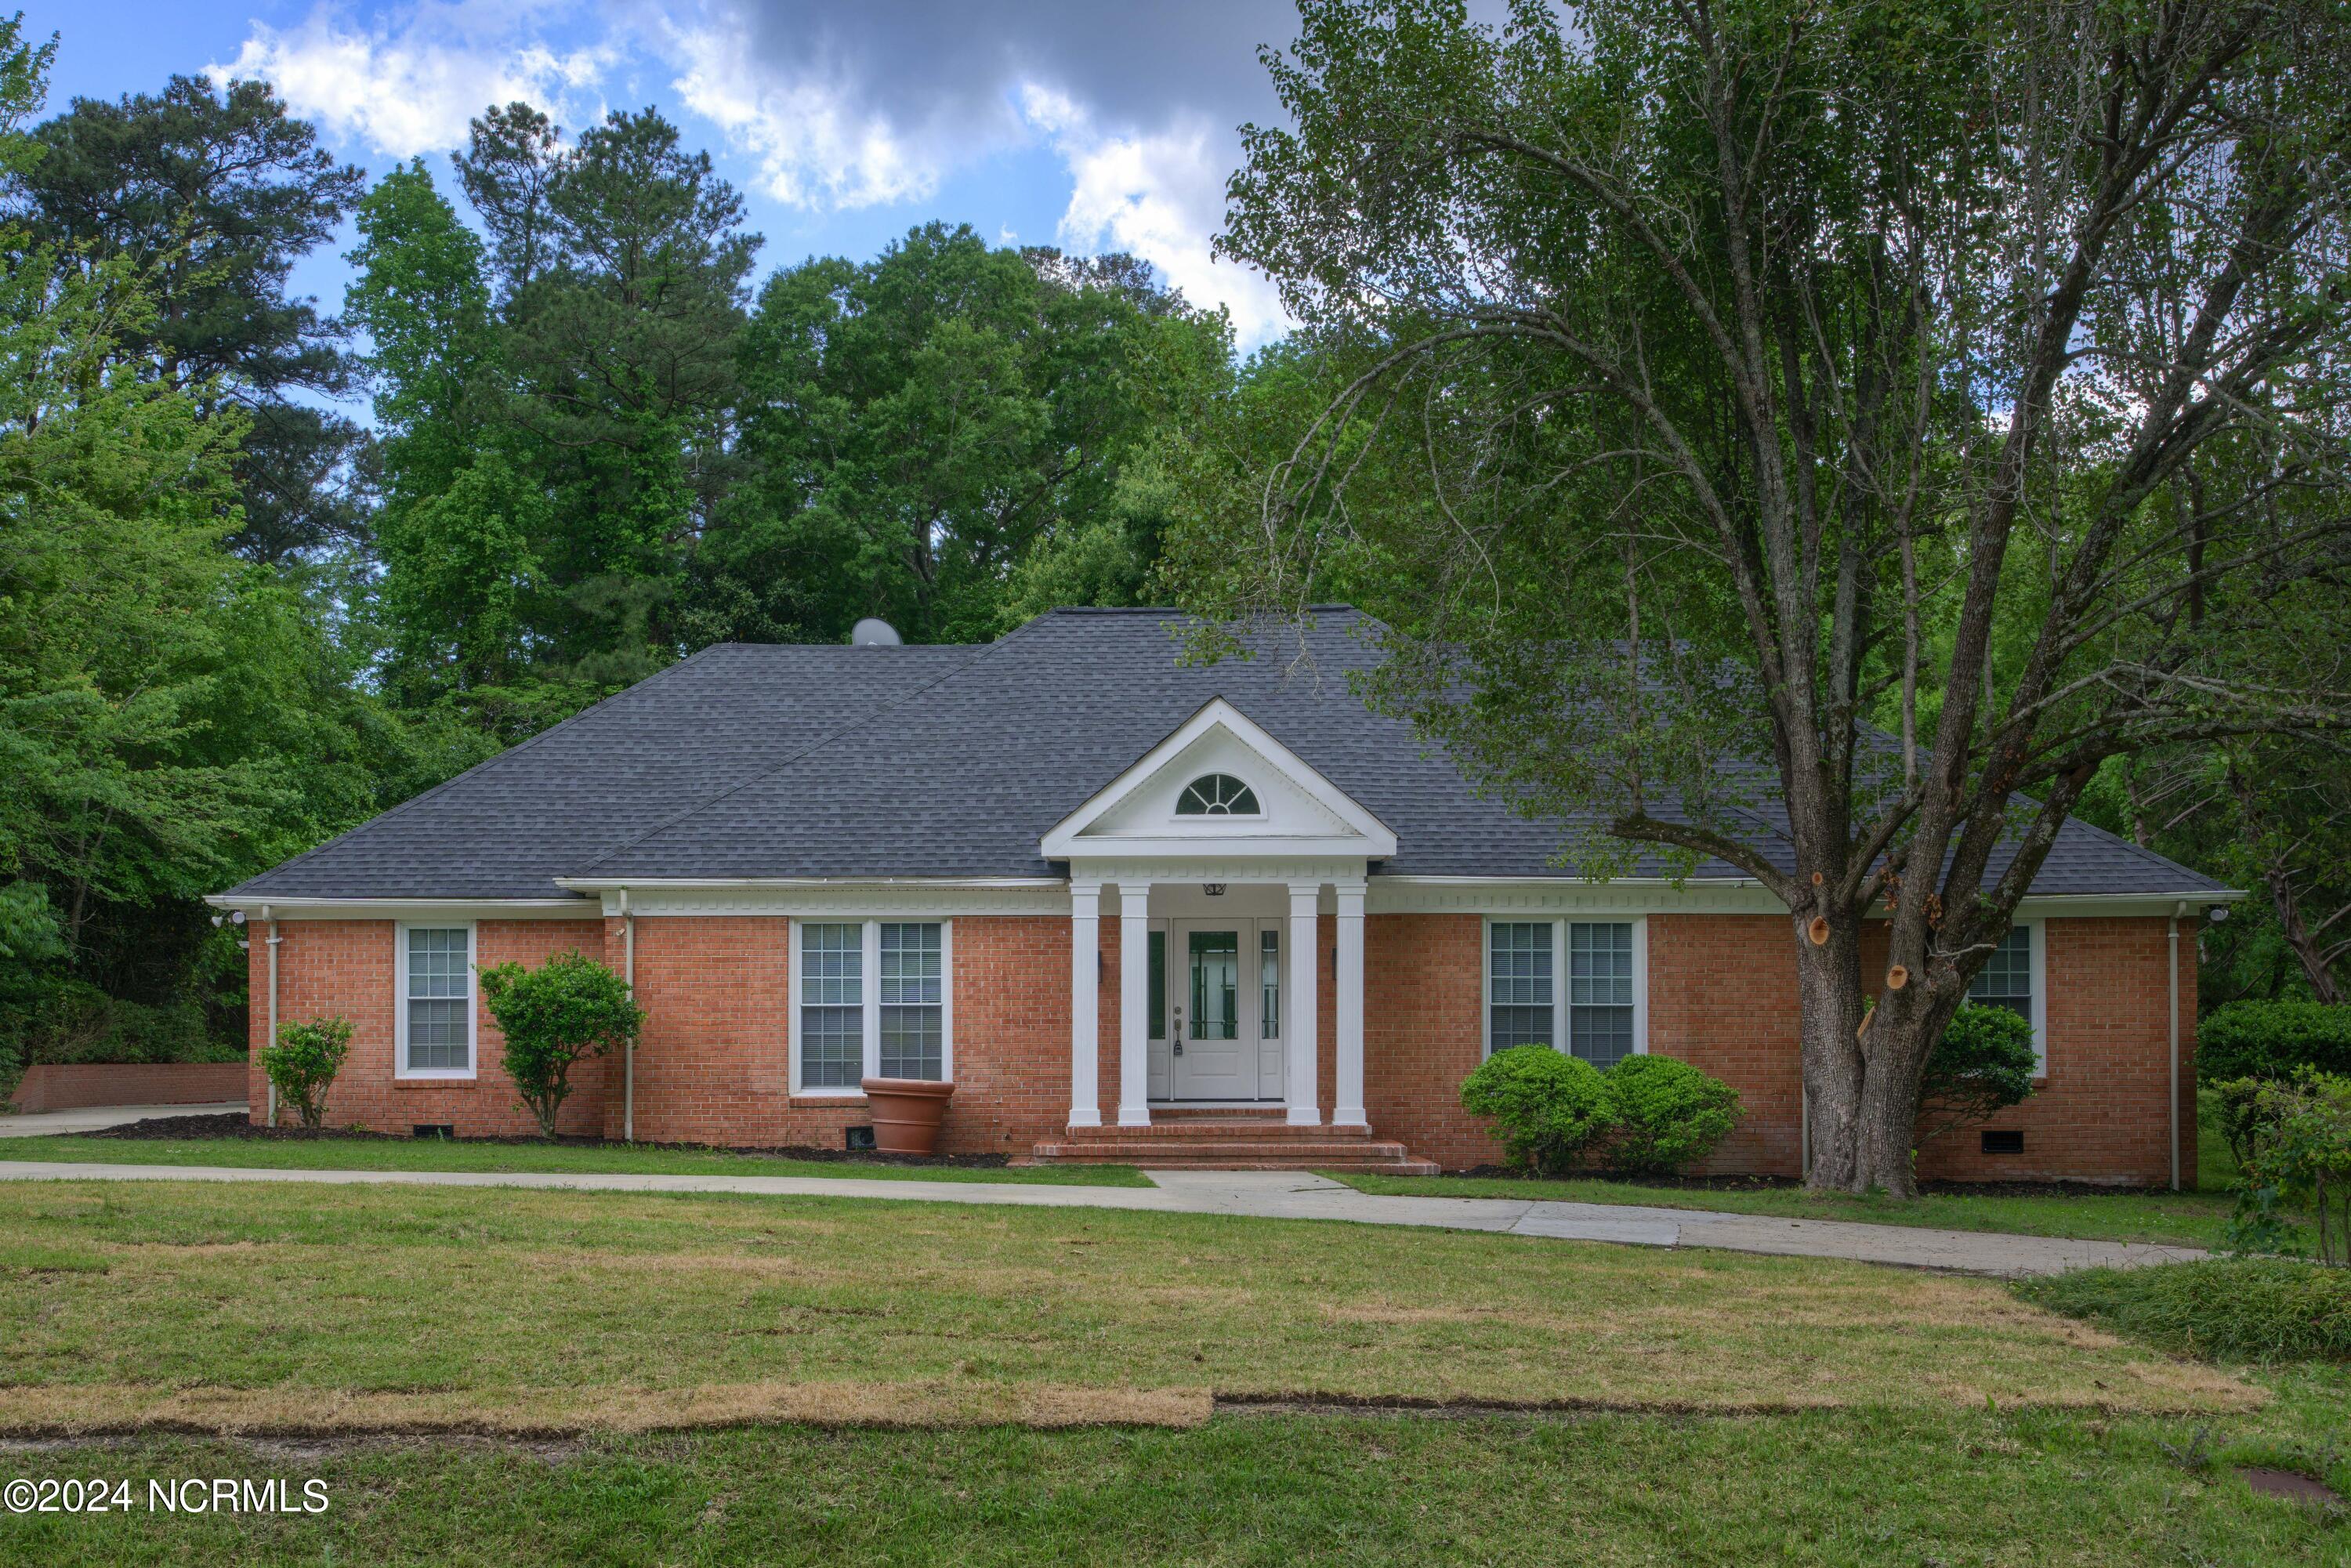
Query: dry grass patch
x=84 y=1410
x=485 y=1300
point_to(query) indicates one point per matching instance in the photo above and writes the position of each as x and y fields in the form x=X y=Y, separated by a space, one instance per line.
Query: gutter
x=629 y=1056
x=2176 y=914
x=271 y=1038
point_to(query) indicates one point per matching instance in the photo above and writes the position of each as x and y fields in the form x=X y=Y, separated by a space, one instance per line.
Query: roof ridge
x=983 y=650
x=516 y=749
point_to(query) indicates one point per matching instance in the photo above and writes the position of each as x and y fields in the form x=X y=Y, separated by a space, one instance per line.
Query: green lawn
x=2018 y=1489
x=1049 y=1374
x=2179 y=1220
x=2185 y=1220
x=466 y=1154
x=241 y=1305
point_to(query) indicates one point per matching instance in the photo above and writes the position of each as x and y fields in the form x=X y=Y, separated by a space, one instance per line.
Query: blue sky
x=1090 y=124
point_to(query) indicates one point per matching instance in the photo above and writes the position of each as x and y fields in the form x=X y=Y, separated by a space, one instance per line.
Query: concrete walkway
x=1280 y=1194
x=97 y=1118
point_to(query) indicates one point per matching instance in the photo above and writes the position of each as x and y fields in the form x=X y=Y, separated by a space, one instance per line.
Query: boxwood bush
x=1669 y=1114
x=1546 y=1105
x=2270 y=1040
x=1646 y=1113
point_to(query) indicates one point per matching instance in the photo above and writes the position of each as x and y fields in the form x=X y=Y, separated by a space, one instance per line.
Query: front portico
x=1218 y=852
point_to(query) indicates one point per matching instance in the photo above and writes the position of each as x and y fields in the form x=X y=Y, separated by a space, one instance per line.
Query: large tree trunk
x=1828 y=983
x=1861 y=1085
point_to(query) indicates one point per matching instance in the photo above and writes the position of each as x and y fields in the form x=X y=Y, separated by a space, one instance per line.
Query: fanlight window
x=1217 y=795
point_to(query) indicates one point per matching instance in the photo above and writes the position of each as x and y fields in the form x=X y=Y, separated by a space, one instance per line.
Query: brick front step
x=1258 y=1127
x=1234 y=1144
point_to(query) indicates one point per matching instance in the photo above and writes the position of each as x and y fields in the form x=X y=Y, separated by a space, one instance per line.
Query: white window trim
x=870 y=995
x=400 y=1068
x=1558 y=924
x=2037 y=937
x=1179 y=814
x=2036 y=945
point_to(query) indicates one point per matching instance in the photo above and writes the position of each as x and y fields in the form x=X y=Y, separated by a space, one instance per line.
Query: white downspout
x=629 y=1053
x=271 y=1038
x=2177 y=912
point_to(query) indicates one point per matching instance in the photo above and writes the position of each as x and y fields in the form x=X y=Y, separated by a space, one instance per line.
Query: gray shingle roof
x=819 y=761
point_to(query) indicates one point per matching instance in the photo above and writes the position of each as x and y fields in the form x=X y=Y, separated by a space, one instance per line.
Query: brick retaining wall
x=67 y=1086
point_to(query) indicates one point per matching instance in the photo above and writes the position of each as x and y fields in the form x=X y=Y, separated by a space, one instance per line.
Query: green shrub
x=1545 y=1105
x=2235 y=1105
x=564 y=1011
x=1669 y=1114
x=304 y=1062
x=2226 y=1309
x=1983 y=1064
x=2298 y=1135
x=2270 y=1040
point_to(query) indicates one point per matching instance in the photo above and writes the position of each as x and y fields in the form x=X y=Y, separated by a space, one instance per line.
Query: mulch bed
x=233 y=1124
x=1795 y=1183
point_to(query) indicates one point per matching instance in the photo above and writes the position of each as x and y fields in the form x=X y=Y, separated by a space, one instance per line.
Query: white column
x=1349 y=1089
x=1133 y=1005
x=1085 y=1003
x=1305 y=1009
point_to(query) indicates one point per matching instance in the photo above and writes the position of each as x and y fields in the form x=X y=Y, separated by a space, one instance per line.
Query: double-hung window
x=872 y=1003
x=1519 y=999
x=1570 y=984
x=433 y=980
x=2009 y=979
x=1600 y=990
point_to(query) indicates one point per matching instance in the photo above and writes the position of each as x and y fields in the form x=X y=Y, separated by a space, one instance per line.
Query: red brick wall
x=715 y=1066
x=2100 y=1113
x=1424 y=1030
x=1722 y=997
x=70 y=1085
x=329 y=967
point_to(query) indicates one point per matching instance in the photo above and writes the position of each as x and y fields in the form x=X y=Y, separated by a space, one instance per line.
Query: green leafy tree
x=1819 y=413
x=172 y=718
x=570 y=1009
x=952 y=436
x=302 y=1065
x=209 y=197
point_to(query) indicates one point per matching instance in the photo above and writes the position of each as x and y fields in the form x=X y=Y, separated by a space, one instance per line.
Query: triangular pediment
x=1298 y=811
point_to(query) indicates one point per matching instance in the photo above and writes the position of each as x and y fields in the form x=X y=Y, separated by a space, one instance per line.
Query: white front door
x=1215 y=1004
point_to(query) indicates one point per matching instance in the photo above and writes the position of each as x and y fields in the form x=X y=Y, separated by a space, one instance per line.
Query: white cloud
x=411 y=88
x=817 y=146
x=1158 y=195
x=842 y=106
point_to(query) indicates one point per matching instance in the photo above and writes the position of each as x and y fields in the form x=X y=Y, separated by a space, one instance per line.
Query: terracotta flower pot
x=907 y=1114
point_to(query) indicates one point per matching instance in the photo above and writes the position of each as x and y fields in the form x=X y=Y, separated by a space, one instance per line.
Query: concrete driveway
x=97 y=1118
x=1275 y=1194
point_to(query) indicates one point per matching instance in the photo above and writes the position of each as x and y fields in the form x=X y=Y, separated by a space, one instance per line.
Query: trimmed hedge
x=2270 y=1040
x=1668 y=1113
x=1646 y=1113
x=1545 y=1105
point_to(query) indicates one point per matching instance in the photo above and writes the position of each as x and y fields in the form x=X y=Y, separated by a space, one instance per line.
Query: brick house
x=1134 y=909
